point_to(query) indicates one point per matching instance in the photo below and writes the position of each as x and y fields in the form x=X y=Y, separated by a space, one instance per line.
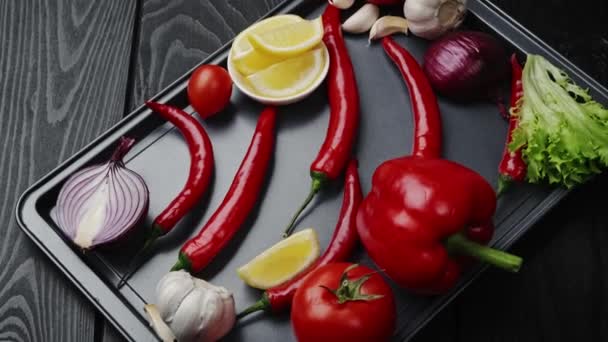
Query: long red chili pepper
x=240 y=199
x=201 y=169
x=344 y=112
x=512 y=167
x=340 y=247
x=427 y=121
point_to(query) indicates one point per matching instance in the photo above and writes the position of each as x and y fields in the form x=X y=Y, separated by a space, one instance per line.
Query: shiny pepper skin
x=414 y=205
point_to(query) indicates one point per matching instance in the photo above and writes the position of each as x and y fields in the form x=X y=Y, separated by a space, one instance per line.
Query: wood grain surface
x=174 y=36
x=70 y=69
x=63 y=78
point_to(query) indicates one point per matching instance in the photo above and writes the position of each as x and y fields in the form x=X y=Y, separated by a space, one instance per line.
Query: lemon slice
x=253 y=61
x=281 y=262
x=241 y=43
x=288 y=40
x=290 y=77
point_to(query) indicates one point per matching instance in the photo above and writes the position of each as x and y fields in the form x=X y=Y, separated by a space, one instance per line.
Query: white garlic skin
x=341 y=4
x=387 y=26
x=194 y=309
x=430 y=19
x=362 y=20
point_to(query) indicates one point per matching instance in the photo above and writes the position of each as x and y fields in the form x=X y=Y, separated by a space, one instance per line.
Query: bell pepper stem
x=317 y=184
x=458 y=243
x=262 y=304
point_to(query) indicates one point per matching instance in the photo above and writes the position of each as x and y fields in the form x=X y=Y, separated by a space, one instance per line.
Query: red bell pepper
x=423 y=212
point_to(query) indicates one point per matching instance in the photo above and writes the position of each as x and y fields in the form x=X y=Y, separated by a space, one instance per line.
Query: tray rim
x=505 y=26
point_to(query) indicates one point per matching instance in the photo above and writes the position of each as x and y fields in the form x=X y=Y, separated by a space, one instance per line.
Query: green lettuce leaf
x=563 y=131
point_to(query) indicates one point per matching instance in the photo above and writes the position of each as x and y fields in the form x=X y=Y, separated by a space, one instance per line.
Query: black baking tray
x=473 y=135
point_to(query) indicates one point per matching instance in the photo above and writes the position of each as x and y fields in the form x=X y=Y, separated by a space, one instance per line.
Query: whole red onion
x=466 y=65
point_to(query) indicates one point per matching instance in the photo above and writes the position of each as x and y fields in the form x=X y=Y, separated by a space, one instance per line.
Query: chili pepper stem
x=262 y=304
x=458 y=243
x=504 y=182
x=317 y=184
x=155 y=233
x=182 y=263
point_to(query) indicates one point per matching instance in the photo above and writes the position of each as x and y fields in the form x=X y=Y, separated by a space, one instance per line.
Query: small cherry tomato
x=209 y=89
x=343 y=302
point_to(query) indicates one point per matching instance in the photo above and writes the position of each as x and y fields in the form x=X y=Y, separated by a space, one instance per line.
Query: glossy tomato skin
x=209 y=89
x=317 y=316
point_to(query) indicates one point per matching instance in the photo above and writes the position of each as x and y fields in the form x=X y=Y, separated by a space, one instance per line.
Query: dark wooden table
x=71 y=69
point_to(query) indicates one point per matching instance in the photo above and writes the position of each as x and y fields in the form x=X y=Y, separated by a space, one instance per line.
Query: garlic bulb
x=362 y=20
x=432 y=18
x=191 y=309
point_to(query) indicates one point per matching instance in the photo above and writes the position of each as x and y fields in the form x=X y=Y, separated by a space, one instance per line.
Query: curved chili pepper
x=423 y=211
x=201 y=167
x=199 y=176
x=240 y=199
x=344 y=112
x=427 y=121
x=341 y=246
x=512 y=167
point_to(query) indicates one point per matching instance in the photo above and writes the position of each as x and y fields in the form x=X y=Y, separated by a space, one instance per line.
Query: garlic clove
x=341 y=4
x=430 y=29
x=362 y=20
x=193 y=316
x=222 y=302
x=418 y=10
x=171 y=291
x=388 y=25
x=158 y=324
x=228 y=318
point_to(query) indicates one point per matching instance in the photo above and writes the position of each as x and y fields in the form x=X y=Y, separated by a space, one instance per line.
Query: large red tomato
x=343 y=302
x=209 y=89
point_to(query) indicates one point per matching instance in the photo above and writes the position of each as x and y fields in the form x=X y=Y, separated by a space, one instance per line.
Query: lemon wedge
x=248 y=60
x=288 y=40
x=291 y=76
x=281 y=262
x=241 y=43
x=252 y=61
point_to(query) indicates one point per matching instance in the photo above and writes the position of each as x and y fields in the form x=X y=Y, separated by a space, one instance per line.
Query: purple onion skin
x=467 y=66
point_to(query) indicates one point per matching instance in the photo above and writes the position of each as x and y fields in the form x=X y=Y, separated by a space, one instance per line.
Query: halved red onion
x=103 y=202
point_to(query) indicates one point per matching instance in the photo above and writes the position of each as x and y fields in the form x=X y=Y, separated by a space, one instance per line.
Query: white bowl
x=240 y=82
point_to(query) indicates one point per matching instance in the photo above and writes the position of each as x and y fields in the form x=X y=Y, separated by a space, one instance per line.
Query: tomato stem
x=350 y=290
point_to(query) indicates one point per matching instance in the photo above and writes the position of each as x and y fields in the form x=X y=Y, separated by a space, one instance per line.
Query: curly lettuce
x=562 y=131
